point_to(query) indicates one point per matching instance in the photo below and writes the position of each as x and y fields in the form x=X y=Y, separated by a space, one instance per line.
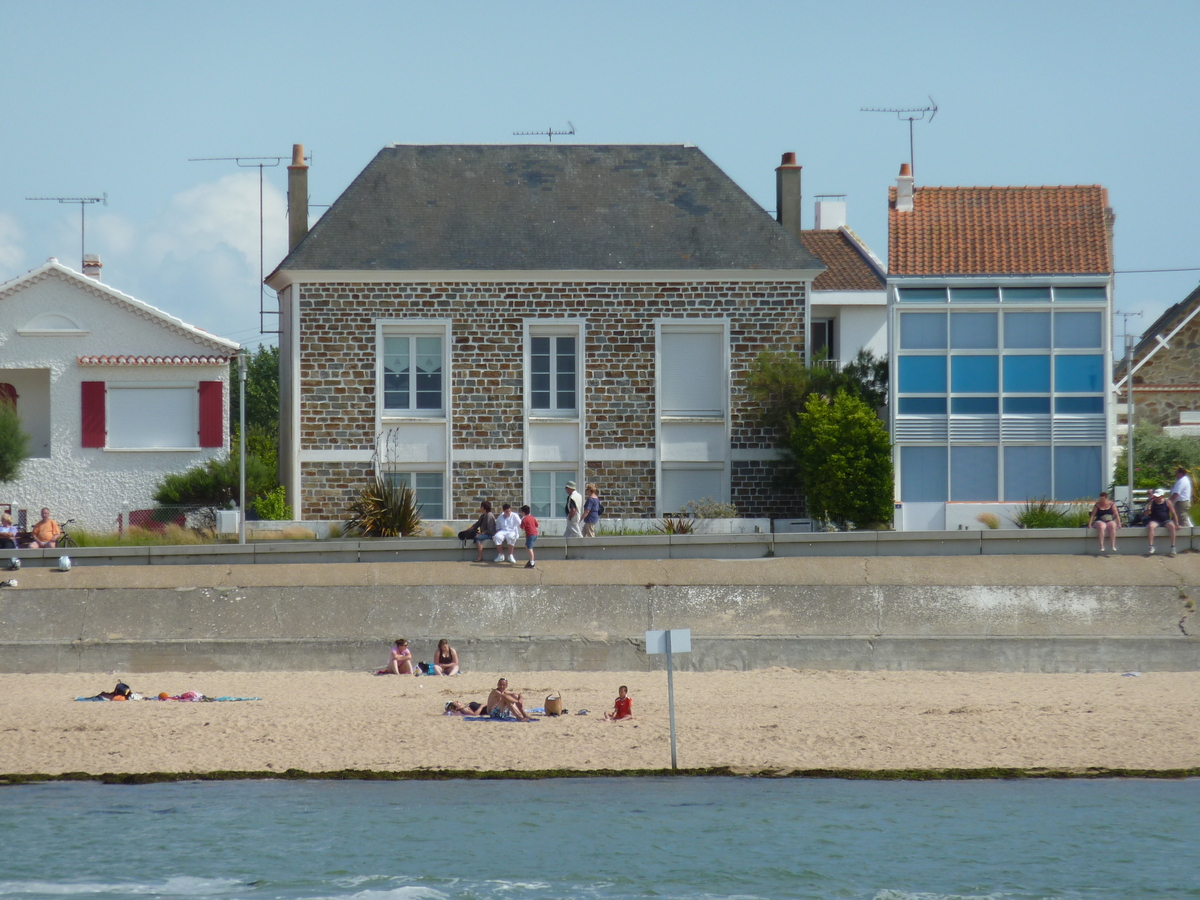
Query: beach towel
x=490 y=719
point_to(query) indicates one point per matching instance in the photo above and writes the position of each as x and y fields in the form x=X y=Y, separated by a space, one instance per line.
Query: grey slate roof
x=545 y=207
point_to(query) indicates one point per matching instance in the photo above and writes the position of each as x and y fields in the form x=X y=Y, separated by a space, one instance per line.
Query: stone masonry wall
x=1178 y=367
x=338 y=363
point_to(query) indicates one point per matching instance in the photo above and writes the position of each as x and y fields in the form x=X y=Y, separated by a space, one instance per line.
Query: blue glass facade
x=1000 y=392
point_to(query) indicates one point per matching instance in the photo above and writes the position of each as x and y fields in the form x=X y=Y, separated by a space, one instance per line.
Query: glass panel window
x=922 y=295
x=1080 y=294
x=1026 y=295
x=552 y=363
x=1078 y=405
x=1027 y=330
x=429 y=490
x=975 y=374
x=1078 y=329
x=975 y=406
x=412 y=373
x=923 y=474
x=973 y=331
x=974 y=295
x=974 y=473
x=1026 y=473
x=547 y=494
x=922 y=406
x=1078 y=473
x=1079 y=374
x=922 y=375
x=1027 y=374
x=1027 y=406
x=922 y=331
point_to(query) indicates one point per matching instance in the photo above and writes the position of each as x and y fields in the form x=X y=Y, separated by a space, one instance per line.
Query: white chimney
x=830 y=212
x=904 y=189
x=92 y=265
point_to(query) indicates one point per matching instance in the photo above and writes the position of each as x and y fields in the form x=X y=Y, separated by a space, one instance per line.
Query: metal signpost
x=678 y=640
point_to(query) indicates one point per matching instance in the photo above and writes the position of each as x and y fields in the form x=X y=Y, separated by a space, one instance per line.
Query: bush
x=675 y=525
x=385 y=509
x=1155 y=458
x=14 y=442
x=844 y=461
x=273 y=505
x=991 y=520
x=214 y=483
x=1045 y=513
x=708 y=508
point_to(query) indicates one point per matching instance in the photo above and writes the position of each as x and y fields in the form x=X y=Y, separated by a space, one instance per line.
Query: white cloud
x=12 y=254
x=114 y=233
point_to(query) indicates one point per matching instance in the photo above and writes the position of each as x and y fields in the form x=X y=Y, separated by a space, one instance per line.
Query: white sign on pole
x=681 y=641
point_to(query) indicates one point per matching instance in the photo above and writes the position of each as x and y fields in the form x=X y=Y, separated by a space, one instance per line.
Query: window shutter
x=212 y=412
x=692 y=373
x=8 y=394
x=93 y=425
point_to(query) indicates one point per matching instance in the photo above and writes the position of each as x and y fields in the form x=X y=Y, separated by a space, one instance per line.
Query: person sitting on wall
x=484 y=528
x=45 y=532
x=1106 y=519
x=8 y=533
x=508 y=529
x=1160 y=511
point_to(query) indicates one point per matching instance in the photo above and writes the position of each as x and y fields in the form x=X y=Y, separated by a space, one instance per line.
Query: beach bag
x=469 y=535
x=554 y=704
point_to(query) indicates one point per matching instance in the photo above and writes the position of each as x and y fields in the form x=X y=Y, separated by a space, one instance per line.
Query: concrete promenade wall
x=969 y=613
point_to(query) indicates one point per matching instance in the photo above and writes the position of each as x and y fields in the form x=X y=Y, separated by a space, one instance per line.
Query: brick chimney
x=297 y=197
x=904 y=189
x=92 y=265
x=787 y=194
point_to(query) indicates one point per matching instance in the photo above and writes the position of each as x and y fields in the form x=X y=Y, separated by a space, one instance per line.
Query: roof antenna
x=549 y=132
x=916 y=114
x=83 y=202
x=259 y=162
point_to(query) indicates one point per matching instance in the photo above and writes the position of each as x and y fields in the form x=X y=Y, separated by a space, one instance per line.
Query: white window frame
x=691 y=325
x=412 y=328
x=553 y=328
x=110 y=419
x=557 y=499
x=411 y=471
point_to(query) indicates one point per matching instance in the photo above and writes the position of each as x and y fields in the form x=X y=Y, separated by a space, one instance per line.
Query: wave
x=179 y=886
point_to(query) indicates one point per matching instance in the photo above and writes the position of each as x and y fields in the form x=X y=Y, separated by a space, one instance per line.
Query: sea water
x=692 y=838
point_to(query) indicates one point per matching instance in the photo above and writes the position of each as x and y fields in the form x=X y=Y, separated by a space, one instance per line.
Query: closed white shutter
x=693 y=373
x=681 y=485
x=153 y=418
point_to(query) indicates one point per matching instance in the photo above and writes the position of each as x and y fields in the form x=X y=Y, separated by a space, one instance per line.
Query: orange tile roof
x=846 y=266
x=1001 y=231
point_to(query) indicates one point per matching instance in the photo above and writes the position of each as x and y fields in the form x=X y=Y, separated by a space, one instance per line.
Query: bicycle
x=64 y=539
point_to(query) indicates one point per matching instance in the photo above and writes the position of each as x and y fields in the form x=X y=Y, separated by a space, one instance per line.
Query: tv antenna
x=259 y=162
x=549 y=132
x=83 y=204
x=914 y=114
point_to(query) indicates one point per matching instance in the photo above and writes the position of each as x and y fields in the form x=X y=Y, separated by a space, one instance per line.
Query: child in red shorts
x=530 y=526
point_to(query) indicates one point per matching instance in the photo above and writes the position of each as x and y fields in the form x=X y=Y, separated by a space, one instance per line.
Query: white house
x=114 y=393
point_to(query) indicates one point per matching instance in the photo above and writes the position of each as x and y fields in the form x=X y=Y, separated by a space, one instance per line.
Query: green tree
x=844 y=460
x=262 y=391
x=14 y=442
x=1155 y=458
x=214 y=484
x=781 y=384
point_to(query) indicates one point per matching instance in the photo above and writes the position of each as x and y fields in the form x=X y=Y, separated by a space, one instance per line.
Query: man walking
x=1181 y=497
x=574 y=510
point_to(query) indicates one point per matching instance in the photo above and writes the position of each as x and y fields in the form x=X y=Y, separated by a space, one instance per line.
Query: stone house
x=1000 y=310
x=1166 y=371
x=113 y=392
x=494 y=321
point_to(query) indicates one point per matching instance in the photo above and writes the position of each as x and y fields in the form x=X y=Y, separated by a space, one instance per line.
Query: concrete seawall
x=1039 y=614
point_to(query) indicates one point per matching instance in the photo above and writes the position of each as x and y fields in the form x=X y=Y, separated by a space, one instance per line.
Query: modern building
x=495 y=321
x=1000 y=311
x=114 y=394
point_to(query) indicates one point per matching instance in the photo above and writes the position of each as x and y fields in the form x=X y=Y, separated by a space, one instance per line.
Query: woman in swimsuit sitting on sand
x=401 y=662
x=445 y=661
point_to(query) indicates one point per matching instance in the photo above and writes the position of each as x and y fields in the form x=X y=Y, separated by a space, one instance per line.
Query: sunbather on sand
x=401 y=662
x=458 y=708
x=502 y=703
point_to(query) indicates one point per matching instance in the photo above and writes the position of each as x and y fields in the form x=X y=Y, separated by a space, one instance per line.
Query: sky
x=116 y=99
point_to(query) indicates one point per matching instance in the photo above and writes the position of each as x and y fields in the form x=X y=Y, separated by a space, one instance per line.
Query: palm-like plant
x=385 y=509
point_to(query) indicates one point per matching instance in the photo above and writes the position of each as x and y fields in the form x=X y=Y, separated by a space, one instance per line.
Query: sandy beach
x=775 y=719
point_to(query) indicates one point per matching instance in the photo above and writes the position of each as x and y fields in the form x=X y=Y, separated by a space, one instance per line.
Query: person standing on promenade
x=591 y=511
x=530 y=526
x=1181 y=497
x=1106 y=519
x=574 y=511
x=1159 y=511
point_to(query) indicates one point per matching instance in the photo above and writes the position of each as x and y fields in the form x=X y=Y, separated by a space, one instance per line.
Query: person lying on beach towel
x=120 y=692
x=503 y=703
x=458 y=708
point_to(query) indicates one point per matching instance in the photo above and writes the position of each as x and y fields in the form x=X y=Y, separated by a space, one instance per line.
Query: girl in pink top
x=401 y=662
x=530 y=526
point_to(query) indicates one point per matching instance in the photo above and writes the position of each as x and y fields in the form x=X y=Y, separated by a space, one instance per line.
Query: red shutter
x=94 y=429
x=212 y=414
x=8 y=394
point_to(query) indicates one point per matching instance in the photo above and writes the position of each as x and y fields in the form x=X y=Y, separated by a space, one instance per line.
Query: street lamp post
x=242 y=447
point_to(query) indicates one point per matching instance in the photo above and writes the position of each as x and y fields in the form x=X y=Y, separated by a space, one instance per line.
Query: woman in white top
x=508 y=529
